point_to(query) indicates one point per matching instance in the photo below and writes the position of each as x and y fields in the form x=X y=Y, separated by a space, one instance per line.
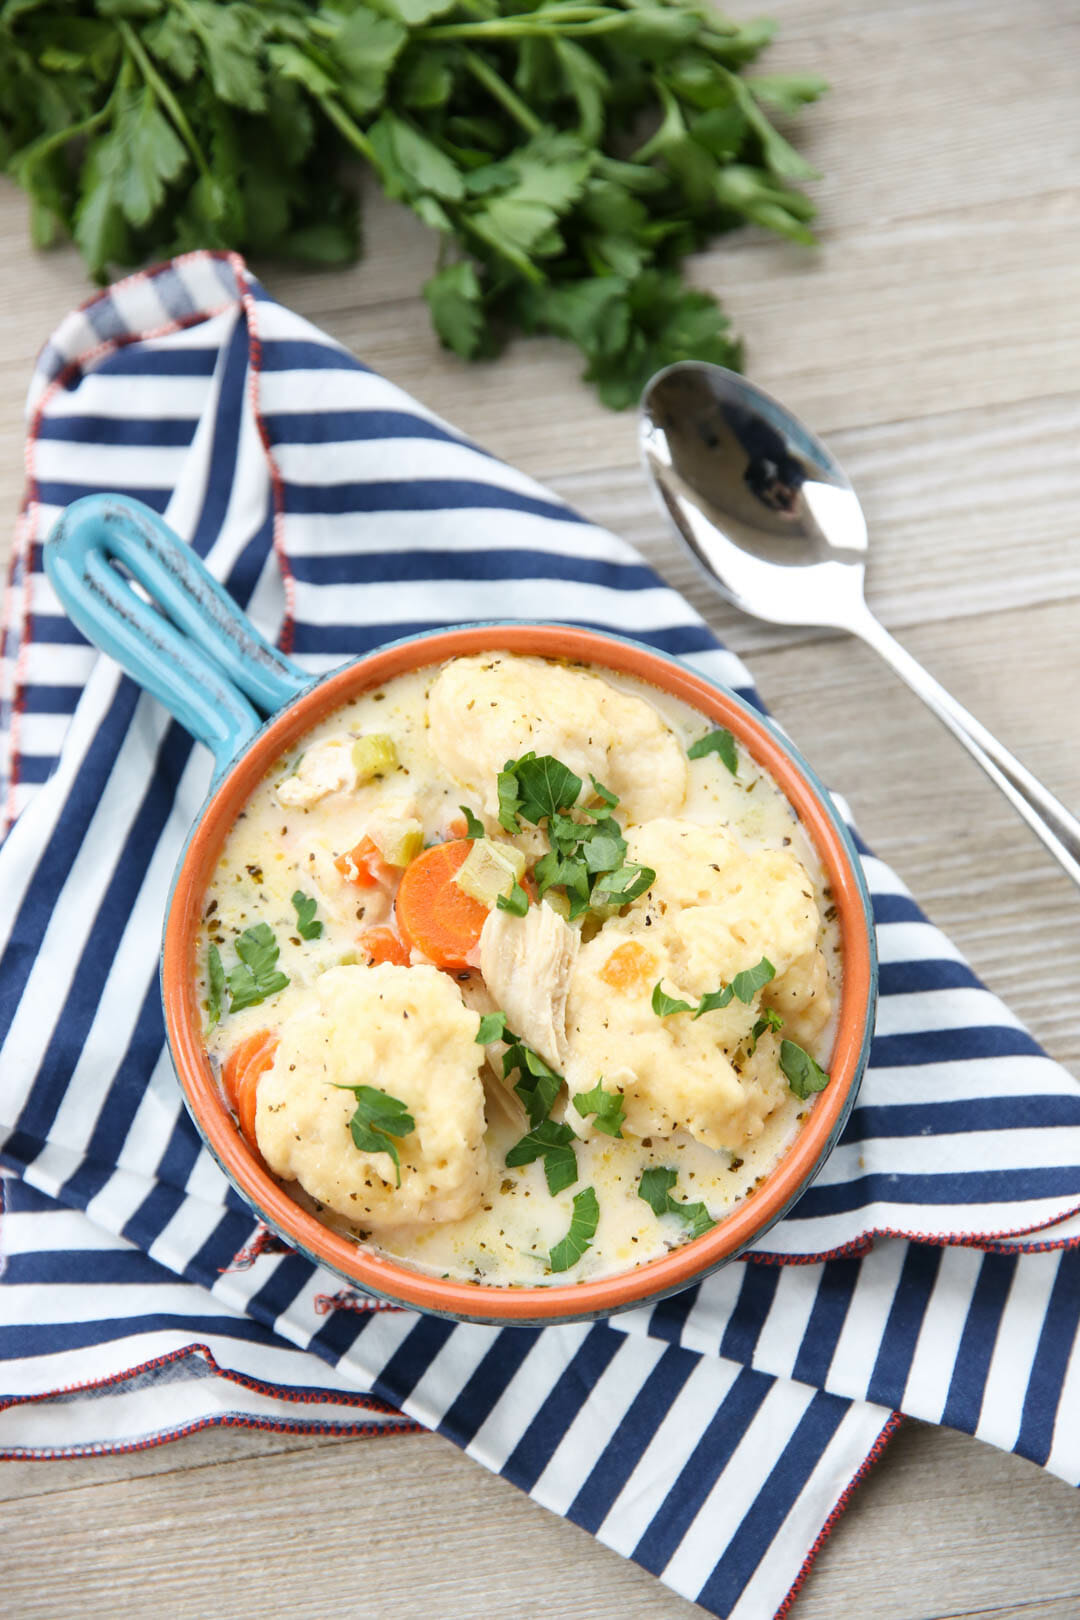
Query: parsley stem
x=589 y=20
x=156 y=83
x=524 y=266
x=24 y=160
x=352 y=132
x=484 y=74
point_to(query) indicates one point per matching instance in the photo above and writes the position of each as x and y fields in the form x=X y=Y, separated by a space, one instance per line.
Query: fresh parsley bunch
x=568 y=153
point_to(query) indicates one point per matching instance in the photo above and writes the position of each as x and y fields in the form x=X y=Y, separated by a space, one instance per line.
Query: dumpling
x=404 y=1031
x=488 y=709
x=724 y=908
x=676 y=1073
x=714 y=910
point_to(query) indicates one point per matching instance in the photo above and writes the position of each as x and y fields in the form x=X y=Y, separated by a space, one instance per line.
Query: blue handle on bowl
x=192 y=649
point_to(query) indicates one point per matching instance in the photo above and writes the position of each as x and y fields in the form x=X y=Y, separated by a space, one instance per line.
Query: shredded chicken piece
x=527 y=962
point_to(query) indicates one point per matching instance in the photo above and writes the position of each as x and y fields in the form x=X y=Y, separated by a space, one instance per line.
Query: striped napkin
x=713 y=1438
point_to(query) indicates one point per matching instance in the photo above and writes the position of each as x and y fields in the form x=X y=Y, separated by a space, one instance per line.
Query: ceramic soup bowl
x=249 y=704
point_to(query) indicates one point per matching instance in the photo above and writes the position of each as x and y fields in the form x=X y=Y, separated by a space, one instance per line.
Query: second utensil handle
x=1058 y=828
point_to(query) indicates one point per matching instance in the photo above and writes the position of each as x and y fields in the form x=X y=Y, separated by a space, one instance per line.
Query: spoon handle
x=1044 y=814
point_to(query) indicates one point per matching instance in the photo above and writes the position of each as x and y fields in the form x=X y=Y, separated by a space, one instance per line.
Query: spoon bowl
x=772 y=518
x=766 y=509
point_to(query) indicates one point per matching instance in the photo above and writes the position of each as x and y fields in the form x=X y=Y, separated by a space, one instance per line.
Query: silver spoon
x=773 y=520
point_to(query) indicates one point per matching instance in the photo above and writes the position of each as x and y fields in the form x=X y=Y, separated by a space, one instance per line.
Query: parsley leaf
x=555 y=1145
x=509 y=792
x=804 y=1075
x=516 y=902
x=627 y=883
x=606 y=1107
x=770 y=1019
x=474 y=828
x=717 y=742
x=604 y=854
x=306 y=906
x=545 y=786
x=455 y=299
x=538 y=1086
x=583 y=1223
x=604 y=794
x=747 y=983
x=664 y=1005
x=492 y=1027
x=715 y=999
x=143 y=129
x=377 y=1120
x=255 y=976
x=655 y=1187
x=215 y=982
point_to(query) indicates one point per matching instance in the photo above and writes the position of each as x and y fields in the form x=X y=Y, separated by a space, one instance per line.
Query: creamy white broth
x=273 y=851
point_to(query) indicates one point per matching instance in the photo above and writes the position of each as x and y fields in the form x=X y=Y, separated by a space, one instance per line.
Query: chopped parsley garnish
x=541 y=788
x=474 y=828
x=306 y=906
x=605 y=1106
x=747 y=983
x=804 y=1075
x=215 y=982
x=492 y=1026
x=538 y=1085
x=516 y=902
x=664 y=1005
x=770 y=1019
x=587 y=854
x=583 y=1224
x=378 y=1119
x=655 y=1187
x=555 y=1145
x=717 y=742
x=744 y=985
x=604 y=794
x=256 y=975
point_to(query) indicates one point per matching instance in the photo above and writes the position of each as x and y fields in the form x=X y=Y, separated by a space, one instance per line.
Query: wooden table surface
x=934 y=338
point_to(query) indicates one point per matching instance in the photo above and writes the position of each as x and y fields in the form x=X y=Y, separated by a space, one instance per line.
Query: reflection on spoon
x=772 y=518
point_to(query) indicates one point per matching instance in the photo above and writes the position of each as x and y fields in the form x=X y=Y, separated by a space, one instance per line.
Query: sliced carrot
x=243 y=1069
x=361 y=865
x=382 y=945
x=435 y=916
x=629 y=967
x=458 y=827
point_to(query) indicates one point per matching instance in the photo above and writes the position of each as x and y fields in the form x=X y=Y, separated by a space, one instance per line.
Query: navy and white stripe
x=250 y=429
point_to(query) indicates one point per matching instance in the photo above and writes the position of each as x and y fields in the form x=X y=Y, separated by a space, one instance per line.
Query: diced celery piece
x=490 y=870
x=558 y=902
x=373 y=756
x=398 y=839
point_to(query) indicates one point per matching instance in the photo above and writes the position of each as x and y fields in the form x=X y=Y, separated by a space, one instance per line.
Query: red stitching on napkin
x=830 y=1523
x=226 y=1420
x=298 y=1397
x=264 y=1242
x=990 y=1242
x=349 y=1299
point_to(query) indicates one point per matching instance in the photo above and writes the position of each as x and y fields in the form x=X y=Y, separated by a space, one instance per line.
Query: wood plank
x=927 y=808
x=943 y=545
x=21 y=1480
x=994 y=1526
